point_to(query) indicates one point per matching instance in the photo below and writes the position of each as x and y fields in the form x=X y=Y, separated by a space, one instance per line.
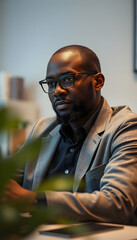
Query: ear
x=99 y=81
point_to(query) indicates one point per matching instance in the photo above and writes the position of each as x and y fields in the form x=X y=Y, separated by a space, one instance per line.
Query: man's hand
x=13 y=191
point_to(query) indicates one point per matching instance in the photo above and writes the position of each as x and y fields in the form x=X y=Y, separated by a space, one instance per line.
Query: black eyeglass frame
x=57 y=80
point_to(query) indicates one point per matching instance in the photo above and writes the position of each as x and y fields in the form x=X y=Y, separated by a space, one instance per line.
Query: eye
x=68 y=79
x=51 y=84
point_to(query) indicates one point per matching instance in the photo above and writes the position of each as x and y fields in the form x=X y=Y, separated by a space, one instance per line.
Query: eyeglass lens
x=65 y=82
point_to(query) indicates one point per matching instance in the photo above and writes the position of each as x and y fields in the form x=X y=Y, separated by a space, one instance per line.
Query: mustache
x=60 y=98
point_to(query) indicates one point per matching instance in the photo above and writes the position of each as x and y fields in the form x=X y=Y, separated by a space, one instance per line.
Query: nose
x=59 y=91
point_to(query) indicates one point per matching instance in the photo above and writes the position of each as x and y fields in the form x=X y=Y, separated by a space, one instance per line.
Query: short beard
x=68 y=118
x=75 y=116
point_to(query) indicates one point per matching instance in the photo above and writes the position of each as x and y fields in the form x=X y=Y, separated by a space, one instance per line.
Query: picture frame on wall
x=135 y=35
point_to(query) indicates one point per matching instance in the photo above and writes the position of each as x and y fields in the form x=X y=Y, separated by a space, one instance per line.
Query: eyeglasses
x=66 y=81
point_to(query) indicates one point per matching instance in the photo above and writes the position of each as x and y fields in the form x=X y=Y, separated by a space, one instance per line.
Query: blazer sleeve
x=116 y=200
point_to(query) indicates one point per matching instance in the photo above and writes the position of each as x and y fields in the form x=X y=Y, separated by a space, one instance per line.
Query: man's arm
x=13 y=191
x=116 y=200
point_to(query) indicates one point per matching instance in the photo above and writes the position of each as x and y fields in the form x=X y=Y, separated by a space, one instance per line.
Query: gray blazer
x=108 y=161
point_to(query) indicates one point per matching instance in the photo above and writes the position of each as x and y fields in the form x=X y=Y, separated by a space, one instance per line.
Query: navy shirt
x=66 y=156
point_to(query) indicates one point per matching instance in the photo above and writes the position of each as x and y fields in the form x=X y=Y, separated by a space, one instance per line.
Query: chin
x=63 y=117
x=67 y=117
x=75 y=116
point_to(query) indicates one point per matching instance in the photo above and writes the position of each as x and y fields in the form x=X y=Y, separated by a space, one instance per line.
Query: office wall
x=31 y=30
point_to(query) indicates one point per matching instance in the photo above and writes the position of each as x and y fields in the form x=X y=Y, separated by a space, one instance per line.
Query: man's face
x=74 y=103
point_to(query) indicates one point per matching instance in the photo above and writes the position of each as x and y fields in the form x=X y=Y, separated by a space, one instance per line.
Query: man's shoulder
x=45 y=121
x=113 y=117
x=123 y=113
x=42 y=124
x=123 y=118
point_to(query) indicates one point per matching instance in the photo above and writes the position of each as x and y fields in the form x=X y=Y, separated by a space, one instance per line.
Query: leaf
x=8 y=120
x=12 y=223
x=57 y=183
x=10 y=165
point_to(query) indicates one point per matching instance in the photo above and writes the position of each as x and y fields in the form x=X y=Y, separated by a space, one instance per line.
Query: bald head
x=80 y=66
x=89 y=60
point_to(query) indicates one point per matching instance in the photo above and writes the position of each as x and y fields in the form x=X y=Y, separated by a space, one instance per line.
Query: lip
x=61 y=104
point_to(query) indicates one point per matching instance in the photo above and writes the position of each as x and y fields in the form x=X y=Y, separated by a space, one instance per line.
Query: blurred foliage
x=8 y=120
x=14 y=224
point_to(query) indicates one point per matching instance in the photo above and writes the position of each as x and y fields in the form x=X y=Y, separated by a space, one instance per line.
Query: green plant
x=13 y=222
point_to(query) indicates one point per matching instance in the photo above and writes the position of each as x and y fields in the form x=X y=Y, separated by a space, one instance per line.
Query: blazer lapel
x=86 y=155
x=91 y=143
x=49 y=145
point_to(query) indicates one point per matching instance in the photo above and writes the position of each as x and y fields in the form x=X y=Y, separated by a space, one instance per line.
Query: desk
x=125 y=233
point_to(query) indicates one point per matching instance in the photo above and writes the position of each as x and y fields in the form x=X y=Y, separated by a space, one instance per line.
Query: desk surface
x=124 y=233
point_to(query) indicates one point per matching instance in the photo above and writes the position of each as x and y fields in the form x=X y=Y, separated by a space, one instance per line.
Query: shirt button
x=71 y=150
x=66 y=171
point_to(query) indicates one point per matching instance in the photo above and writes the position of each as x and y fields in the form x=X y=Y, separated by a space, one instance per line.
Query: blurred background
x=32 y=30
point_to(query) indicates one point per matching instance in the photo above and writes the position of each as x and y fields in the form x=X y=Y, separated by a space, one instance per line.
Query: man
x=92 y=141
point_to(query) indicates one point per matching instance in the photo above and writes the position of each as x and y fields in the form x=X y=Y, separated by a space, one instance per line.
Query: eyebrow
x=64 y=73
